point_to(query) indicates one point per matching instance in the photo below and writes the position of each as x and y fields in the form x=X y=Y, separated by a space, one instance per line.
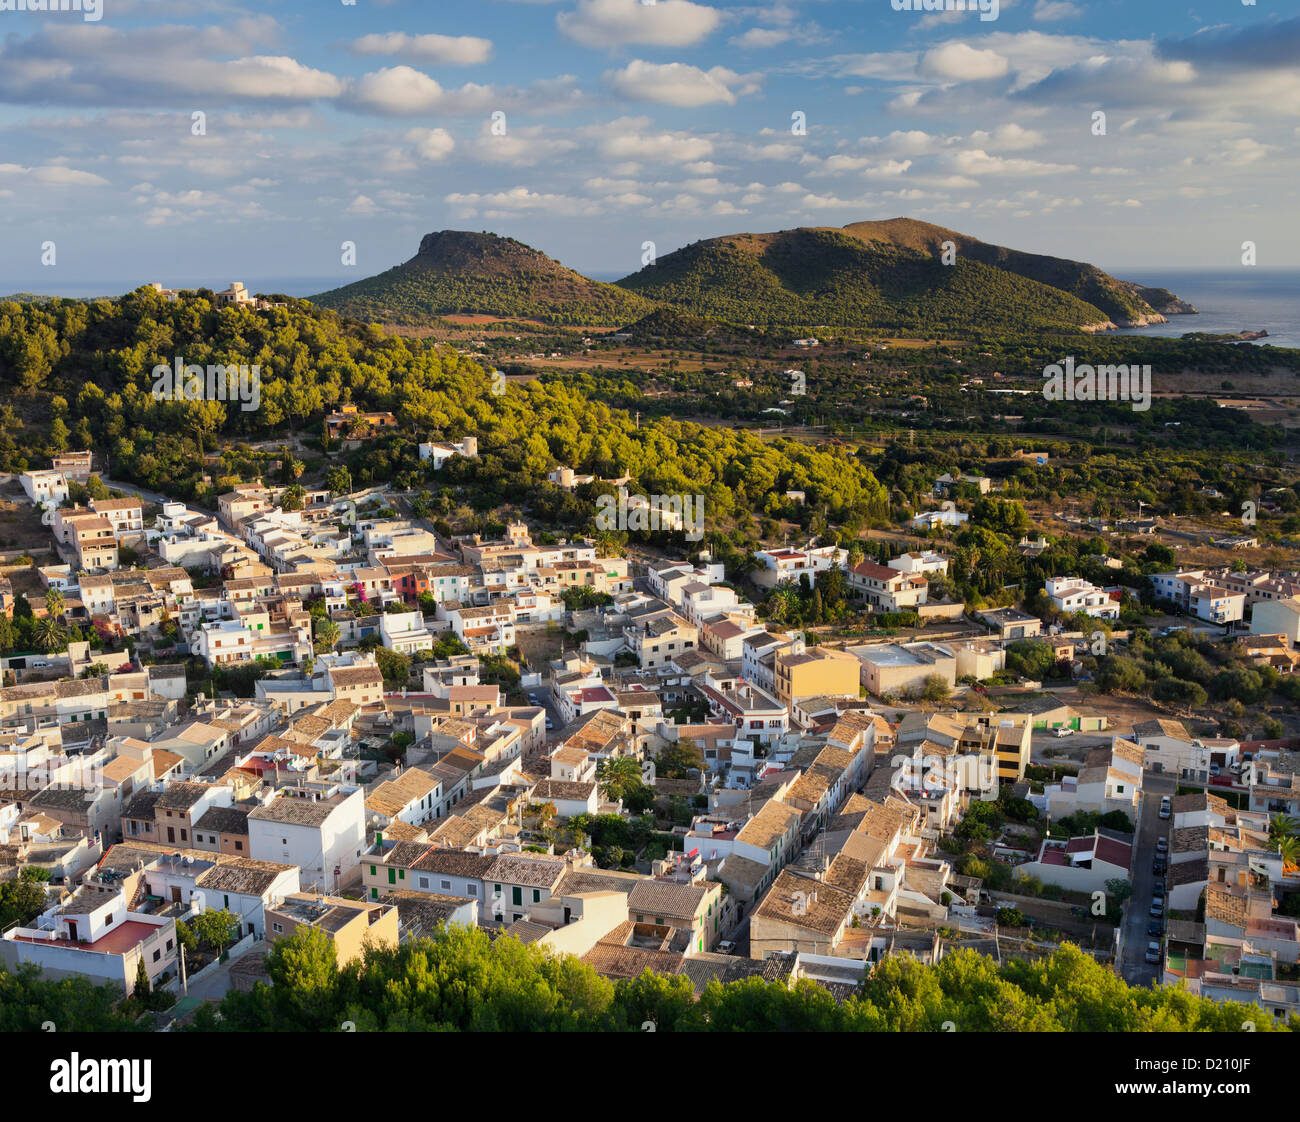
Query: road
x=140 y=492
x=1069 y=749
x=1133 y=967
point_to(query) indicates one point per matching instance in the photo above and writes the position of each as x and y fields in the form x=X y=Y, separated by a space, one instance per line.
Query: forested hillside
x=457 y=272
x=813 y=277
x=96 y=360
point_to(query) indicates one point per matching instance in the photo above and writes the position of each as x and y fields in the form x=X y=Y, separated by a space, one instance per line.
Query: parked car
x=1158 y=906
x=1162 y=846
x=549 y=724
x=1153 y=953
x=1158 y=885
x=1159 y=866
x=1215 y=769
x=1156 y=928
x=1165 y=810
x=725 y=947
x=1062 y=732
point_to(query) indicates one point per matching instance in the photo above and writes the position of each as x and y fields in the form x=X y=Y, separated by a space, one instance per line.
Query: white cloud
x=913 y=142
x=397 y=90
x=1008 y=138
x=50 y=176
x=677 y=84
x=757 y=38
x=657 y=147
x=461 y=50
x=522 y=146
x=978 y=162
x=617 y=23
x=1047 y=11
x=961 y=63
x=432 y=144
x=516 y=200
x=363 y=206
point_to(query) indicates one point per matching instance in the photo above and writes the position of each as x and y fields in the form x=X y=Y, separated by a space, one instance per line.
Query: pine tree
x=143 y=989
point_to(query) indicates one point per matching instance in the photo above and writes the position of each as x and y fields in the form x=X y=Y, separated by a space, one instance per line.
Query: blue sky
x=627 y=122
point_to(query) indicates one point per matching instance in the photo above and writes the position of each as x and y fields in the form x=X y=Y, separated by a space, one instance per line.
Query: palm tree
x=328 y=634
x=1280 y=827
x=1289 y=850
x=54 y=602
x=618 y=775
x=49 y=635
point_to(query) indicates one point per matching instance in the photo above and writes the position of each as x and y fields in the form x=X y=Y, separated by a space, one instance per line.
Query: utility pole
x=185 y=982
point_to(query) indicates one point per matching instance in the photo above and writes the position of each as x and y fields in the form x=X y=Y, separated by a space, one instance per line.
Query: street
x=1133 y=966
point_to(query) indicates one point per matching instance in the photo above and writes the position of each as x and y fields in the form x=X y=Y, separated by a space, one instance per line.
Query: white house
x=1074 y=594
x=931 y=518
x=246 y=888
x=1110 y=779
x=45 y=487
x=405 y=632
x=925 y=561
x=322 y=834
x=1169 y=748
x=440 y=453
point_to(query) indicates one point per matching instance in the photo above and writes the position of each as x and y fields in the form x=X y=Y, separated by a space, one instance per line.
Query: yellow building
x=818 y=672
x=351 y=925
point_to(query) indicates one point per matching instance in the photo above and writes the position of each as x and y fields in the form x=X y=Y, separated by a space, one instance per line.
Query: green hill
x=669 y=324
x=456 y=272
x=890 y=275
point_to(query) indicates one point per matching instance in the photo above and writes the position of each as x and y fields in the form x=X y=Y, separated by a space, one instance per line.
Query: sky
x=203 y=143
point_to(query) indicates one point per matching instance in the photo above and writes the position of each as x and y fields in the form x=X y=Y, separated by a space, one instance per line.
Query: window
x=277 y=928
x=446 y=884
x=517 y=896
x=472 y=889
x=157 y=955
x=424 y=882
x=169 y=944
x=537 y=895
x=239 y=845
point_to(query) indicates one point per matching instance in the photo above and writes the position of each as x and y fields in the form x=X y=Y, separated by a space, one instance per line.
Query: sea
x=1248 y=298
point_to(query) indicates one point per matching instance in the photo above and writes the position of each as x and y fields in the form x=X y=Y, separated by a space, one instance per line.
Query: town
x=315 y=710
